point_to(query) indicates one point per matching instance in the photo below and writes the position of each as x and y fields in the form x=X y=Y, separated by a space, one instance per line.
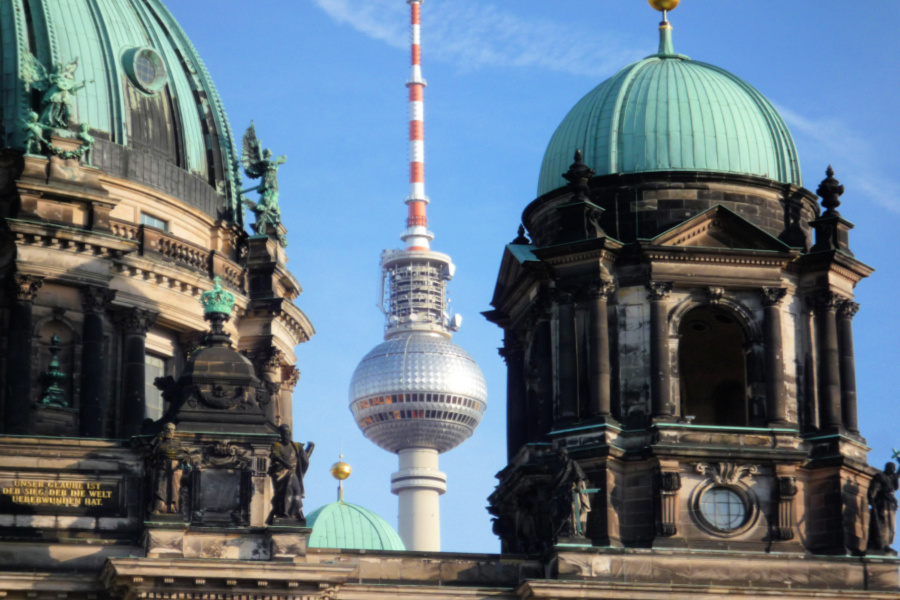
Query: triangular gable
x=511 y=267
x=719 y=227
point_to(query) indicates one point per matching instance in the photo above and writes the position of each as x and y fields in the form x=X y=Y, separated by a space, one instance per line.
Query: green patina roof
x=184 y=124
x=669 y=113
x=351 y=527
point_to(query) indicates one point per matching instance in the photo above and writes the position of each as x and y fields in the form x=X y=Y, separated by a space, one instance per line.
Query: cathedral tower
x=679 y=320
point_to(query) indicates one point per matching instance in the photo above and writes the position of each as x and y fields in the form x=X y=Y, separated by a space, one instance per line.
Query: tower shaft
x=419 y=484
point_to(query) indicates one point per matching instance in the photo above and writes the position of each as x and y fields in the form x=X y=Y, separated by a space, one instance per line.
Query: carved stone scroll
x=669 y=484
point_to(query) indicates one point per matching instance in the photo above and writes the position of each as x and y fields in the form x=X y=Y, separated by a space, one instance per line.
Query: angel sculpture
x=59 y=87
x=259 y=163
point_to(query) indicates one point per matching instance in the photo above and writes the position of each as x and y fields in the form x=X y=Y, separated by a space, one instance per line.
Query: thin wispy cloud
x=833 y=141
x=474 y=35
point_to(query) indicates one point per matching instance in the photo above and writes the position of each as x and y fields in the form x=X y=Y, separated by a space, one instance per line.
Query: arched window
x=713 y=368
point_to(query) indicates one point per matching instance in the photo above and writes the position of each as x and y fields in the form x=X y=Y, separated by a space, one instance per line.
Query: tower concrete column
x=419 y=484
x=516 y=411
x=829 y=376
x=660 y=372
x=600 y=377
x=17 y=413
x=776 y=393
x=134 y=323
x=94 y=395
x=846 y=311
x=566 y=359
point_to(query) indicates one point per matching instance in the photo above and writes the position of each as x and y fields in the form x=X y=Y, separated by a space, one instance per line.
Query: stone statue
x=87 y=146
x=288 y=464
x=58 y=87
x=883 y=508
x=167 y=460
x=34 y=134
x=571 y=502
x=259 y=163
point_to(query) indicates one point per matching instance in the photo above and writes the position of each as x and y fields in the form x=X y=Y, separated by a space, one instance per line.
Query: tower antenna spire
x=416 y=236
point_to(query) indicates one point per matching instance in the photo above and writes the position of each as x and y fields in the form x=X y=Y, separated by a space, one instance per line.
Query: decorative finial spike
x=521 y=239
x=830 y=190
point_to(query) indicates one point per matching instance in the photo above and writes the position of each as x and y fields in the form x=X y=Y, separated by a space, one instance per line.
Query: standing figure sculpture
x=571 y=500
x=87 y=145
x=259 y=163
x=288 y=464
x=34 y=134
x=167 y=460
x=58 y=87
x=883 y=509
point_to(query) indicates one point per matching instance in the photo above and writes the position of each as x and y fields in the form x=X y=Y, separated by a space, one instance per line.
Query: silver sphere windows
x=146 y=69
x=723 y=509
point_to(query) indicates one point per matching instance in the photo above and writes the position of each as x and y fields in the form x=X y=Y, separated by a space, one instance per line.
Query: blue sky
x=324 y=82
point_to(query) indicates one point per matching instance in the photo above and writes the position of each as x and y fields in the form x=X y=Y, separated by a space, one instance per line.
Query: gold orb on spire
x=662 y=5
x=340 y=470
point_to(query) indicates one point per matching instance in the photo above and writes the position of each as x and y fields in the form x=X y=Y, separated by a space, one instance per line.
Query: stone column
x=516 y=415
x=776 y=393
x=828 y=368
x=95 y=301
x=17 y=413
x=290 y=375
x=846 y=311
x=600 y=377
x=660 y=367
x=134 y=323
x=566 y=359
x=271 y=378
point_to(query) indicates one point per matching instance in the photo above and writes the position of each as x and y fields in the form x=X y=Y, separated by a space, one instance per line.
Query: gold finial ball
x=662 y=5
x=340 y=470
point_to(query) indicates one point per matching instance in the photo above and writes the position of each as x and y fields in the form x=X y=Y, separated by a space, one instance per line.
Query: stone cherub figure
x=288 y=462
x=883 y=508
x=167 y=460
x=34 y=134
x=260 y=164
x=87 y=146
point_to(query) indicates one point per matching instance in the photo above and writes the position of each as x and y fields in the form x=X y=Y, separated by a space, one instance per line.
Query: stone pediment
x=719 y=227
x=512 y=267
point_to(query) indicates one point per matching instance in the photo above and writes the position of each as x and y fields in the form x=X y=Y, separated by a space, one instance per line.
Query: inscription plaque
x=55 y=496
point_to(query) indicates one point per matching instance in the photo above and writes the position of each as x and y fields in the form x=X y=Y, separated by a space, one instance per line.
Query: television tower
x=417 y=394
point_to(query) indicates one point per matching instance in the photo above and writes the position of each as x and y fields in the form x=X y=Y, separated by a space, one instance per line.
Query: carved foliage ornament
x=659 y=290
x=96 y=299
x=727 y=473
x=772 y=296
x=25 y=287
x=136 y=320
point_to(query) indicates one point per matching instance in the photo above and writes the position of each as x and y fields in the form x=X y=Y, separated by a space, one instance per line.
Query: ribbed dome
x=669 y=113
x=148 y=98
x=351 y=527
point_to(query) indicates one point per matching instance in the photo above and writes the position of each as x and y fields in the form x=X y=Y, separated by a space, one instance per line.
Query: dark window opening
x=713 y=368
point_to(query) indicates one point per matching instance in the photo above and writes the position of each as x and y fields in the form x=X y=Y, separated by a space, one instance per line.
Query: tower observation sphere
x=417 y=394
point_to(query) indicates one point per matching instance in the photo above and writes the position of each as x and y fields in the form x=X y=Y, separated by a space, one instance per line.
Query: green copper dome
x=351 y=527
x=147 y=97
x=670 y=113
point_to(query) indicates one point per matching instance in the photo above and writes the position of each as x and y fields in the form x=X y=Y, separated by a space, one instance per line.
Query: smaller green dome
x=670 y=113
x=350 y=527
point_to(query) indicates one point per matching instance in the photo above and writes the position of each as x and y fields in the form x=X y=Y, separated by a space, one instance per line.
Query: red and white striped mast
x=417 y=236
